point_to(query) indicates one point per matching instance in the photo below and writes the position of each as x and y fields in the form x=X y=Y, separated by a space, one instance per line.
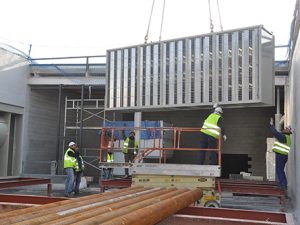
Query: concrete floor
x=57 y=189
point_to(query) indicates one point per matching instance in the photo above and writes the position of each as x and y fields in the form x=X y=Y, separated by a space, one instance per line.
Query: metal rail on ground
x=25 y=181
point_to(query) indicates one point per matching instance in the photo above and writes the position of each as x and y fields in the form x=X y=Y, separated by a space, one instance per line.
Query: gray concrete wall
x=40 y=131
x=13 y=85
x=293 y=117
x=246 y=130
x=4 y=147
x=14 y=72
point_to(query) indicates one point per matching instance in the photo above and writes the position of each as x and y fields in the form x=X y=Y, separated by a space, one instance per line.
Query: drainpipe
x=281 y=121
x=81 y=119
x=278 y=116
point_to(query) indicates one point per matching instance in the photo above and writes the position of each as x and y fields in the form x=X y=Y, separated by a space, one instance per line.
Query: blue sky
x=89 y=27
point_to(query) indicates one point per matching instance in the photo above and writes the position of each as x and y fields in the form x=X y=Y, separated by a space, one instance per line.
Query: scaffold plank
x=177 y=169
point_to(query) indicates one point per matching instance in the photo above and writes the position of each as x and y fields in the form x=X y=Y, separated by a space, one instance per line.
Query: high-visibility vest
x=77 y=169
x=110 y=157
x=126 y=144
x=210 y=126
x=69 y=162
x=282 y=148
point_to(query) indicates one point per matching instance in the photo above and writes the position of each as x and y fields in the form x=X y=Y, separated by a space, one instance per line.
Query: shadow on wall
x=3 y=131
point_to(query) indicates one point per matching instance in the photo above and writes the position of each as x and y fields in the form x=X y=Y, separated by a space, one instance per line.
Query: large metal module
x=231 y=67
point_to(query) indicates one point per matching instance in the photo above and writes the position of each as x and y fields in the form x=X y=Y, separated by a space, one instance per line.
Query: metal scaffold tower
x=82 y=122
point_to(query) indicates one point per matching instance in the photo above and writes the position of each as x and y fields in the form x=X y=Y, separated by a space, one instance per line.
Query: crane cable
x=220 y=20
x=162 y=20
x=146 y=36
x=211 y=25
x=210 y=17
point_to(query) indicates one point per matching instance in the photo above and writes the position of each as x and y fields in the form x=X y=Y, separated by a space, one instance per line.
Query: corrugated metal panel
x=179 y=71
x=197 y=70
x=171 y=72
x=223 y=67
x=155 y=75
x=125 y=82
x=119 y=78
x=133 y=77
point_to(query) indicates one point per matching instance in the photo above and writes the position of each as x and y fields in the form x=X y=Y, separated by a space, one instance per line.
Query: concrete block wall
x=41 y=131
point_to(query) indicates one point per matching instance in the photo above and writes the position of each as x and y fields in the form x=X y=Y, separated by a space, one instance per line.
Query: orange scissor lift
x=159 y=172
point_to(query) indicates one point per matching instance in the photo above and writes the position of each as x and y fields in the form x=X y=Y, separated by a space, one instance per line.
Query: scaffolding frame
x=144 y=152
x=93 y=108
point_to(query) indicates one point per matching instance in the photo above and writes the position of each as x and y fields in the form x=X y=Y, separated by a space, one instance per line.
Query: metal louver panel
x=231 y=67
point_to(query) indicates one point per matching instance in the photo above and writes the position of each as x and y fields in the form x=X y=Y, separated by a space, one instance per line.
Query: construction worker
x=108 y=172
x=210 y=132
x=108 y=155
x=79 y=168
x=130 y=149
x=281 y=147
x=69 y=166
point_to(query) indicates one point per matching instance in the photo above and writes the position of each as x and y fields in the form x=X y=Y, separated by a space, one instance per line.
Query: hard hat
x=71 y=143
x=218 y=110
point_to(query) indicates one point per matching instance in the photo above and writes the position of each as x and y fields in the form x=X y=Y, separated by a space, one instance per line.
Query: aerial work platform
x=176 y=169
x=162 y=174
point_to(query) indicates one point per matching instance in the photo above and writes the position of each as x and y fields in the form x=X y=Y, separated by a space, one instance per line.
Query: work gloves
x=271 y=121
x=224 y=137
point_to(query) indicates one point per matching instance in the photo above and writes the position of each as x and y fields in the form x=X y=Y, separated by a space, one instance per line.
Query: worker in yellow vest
x=211 y=130
x=130 y=149
x=69 y=166
x=281 y=147
x=108 y=171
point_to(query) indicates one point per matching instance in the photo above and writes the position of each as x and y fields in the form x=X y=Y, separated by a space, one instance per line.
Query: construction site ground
x=236 y=208
x=57 y=190
x=228 y=200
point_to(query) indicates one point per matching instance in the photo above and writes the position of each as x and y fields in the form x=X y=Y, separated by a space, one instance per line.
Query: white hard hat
x=71 y=143
x=218 y=110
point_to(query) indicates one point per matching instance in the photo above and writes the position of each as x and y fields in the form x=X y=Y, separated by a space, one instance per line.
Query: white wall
x=13 y=79
x=14 y=72
x=294 y=108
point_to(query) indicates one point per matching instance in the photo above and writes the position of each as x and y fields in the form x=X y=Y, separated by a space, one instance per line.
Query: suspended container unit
x=232 y=68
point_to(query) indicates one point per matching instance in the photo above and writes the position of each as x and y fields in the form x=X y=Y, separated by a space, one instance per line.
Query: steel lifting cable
x=146 y=37
x=162 y=19
x=221 y=26
x=211 y=26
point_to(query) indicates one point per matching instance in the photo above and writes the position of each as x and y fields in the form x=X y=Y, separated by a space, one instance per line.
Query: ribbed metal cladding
x=231 y=67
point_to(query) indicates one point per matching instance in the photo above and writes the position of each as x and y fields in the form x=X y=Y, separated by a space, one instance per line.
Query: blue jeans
x=129 y=157
x=210 y=142
x=280 y=164
x=107 y=173
x=69 y=181
x=78 y=176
